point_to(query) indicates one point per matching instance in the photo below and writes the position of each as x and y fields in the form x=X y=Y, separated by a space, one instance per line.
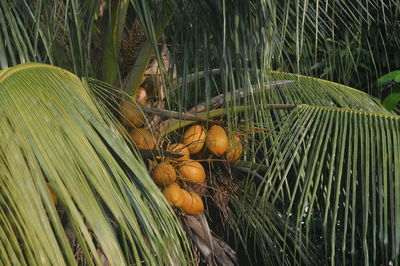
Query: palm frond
x=19 y=42
x=50 y=32
x=330 y=169
x=337 y=171
x=266 y=235
x=54 y=132
x=318 y=92
x=346 y=43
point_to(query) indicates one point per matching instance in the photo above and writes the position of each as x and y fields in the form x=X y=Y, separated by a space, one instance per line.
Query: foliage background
x=351 y=43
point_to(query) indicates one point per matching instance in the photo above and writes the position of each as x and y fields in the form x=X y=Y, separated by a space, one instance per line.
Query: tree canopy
x=318 y=179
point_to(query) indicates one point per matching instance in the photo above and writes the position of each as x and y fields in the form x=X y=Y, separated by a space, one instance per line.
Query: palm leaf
x=265 y=234
x=18 y=41
x=318 y=92
x=330 y=169
x=337 y=170
x=53 y=131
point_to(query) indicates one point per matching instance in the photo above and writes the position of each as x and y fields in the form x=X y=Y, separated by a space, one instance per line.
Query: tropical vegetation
x=318 y=179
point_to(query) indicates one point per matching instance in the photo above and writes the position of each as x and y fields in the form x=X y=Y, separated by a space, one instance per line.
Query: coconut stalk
x=252 y=166
x=192 y=77
x=215 y=102
x=171 y=125
x=153 y=153
x=219 y=100
x=173 y=114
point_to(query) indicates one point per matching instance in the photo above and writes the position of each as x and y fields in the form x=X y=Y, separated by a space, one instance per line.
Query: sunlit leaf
x=54 y=131
x=390 y=77
x=391 y=101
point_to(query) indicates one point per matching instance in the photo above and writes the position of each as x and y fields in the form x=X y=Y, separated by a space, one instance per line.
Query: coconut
x=173 y=193
x=235 y=149
x=179 y=148
x=217 y=140
x=143 y=138
x=163 y=174
x=131 y=115
x=192 y=171
x=194 y=138
x=192 y=203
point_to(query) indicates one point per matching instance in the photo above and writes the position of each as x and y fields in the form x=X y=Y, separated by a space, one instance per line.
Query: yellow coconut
x=217 y=140
x=131 y=115
x=179 y=148
x=173 y=193
x=163 y=174
x=194 y=138
x=144 y=139
x=192 y=203
x=235 y=149
x=192 y=171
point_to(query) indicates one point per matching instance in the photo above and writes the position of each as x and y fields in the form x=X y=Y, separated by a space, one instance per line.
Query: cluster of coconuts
x=185 y=169
x=189 y=171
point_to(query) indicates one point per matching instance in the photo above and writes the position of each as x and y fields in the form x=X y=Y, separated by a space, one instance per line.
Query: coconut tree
x=318 y=178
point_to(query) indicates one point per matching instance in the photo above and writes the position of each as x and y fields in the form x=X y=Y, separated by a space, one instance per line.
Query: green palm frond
x=329 y=169
x=304 y=90
x=60 y=33
x=336 y=170
x=318 y=92
x=266 y=235
x=19 y=42
x=350 y=43
x=52 y=130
